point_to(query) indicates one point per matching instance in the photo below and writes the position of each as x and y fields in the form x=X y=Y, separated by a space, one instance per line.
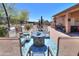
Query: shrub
x=28 y=26
x=0 y=23
x=3 y=32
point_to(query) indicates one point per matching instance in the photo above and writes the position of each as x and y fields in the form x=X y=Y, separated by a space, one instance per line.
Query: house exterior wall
x=72 y=21
x=60 y=21
x=72 y=14
x=75 y=16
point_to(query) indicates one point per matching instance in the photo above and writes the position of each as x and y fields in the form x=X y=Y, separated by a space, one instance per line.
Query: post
x=48 y=51
x=41 y=22
x=66 y=23
x=7 y=17
x=55 y=23
x=30 y=52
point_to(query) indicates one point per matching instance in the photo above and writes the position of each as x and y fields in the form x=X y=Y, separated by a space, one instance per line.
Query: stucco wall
x=68 y=46
x=54 y=34
x=9 y=47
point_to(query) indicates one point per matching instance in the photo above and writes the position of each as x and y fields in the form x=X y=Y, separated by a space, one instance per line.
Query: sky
x=47 y=10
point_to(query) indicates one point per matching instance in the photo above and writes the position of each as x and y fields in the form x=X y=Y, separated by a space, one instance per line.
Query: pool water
x=48 y=42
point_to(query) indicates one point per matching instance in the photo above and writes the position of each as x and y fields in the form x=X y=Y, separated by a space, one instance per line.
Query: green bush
x=1 y=23
x=3 y=32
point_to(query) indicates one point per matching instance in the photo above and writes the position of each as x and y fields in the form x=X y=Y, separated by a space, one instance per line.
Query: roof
x=68 y=9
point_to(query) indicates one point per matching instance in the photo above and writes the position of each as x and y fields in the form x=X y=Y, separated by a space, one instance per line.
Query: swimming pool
x=48 y=42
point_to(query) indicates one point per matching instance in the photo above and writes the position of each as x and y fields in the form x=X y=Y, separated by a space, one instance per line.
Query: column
x=55 y=22
x=66 y=23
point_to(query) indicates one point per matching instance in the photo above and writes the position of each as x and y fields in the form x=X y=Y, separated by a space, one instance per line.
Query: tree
x=46 y=22
x=20 y=17
x=14 y=19
x=10 y=7
x=0 y=13
x=14 y=15
x=23 y=15
x=11 y=10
